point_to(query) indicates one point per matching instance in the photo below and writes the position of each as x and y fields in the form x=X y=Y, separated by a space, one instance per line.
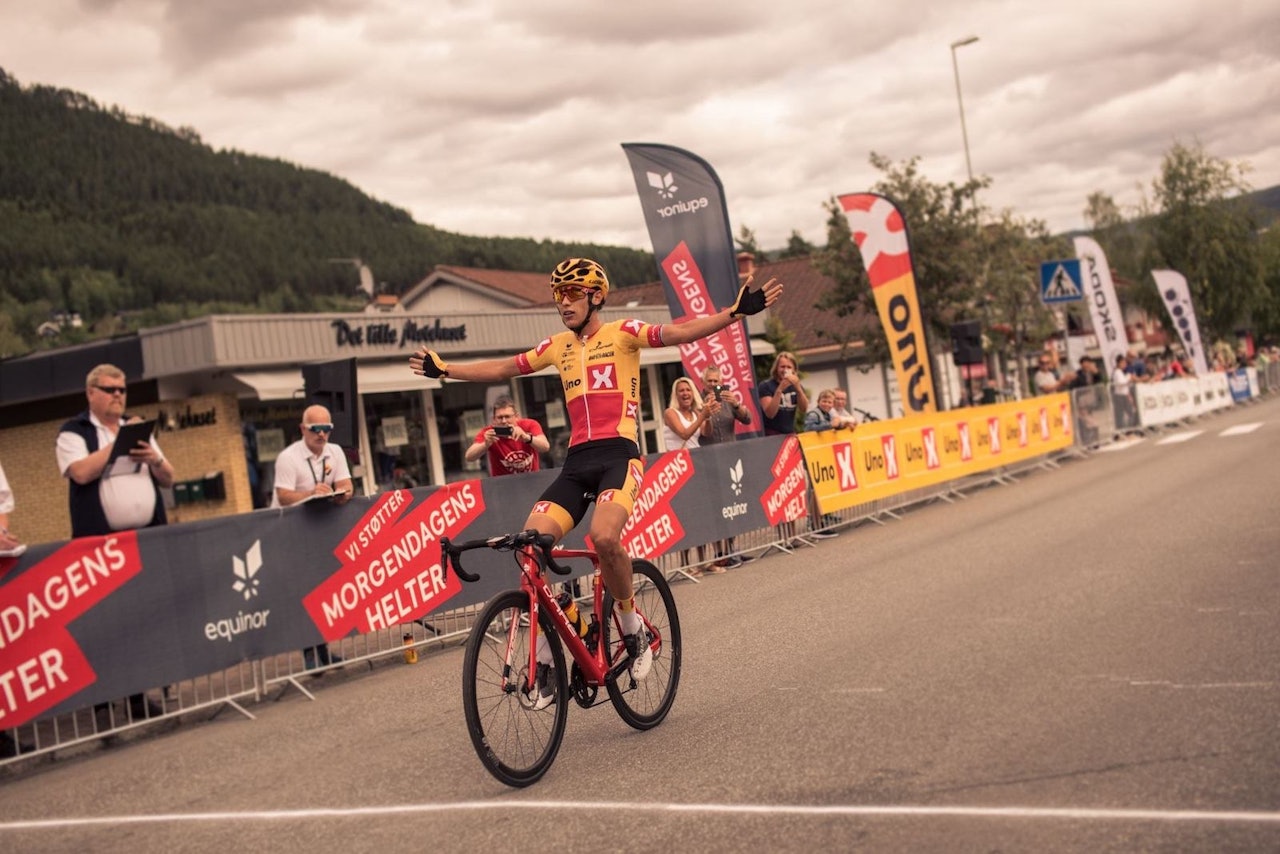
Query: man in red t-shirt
x=512 y=443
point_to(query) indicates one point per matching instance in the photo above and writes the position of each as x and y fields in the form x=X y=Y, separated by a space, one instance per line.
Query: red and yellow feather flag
x=881 y=234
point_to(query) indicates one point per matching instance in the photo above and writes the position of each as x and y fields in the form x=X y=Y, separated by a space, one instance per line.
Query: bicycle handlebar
x=451 y=552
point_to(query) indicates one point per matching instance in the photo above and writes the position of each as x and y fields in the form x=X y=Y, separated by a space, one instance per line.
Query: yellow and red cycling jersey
x=600 y=375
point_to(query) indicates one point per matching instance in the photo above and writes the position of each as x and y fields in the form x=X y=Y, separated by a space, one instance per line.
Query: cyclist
x=599 y=366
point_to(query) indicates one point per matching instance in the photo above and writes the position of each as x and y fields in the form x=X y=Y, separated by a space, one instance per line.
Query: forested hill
x=130 y=223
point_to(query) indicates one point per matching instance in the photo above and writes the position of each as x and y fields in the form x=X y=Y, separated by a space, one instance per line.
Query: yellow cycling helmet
x=580 y=272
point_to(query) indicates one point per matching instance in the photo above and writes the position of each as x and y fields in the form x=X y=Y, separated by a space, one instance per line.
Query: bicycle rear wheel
x=644 y=704
x=516 y=741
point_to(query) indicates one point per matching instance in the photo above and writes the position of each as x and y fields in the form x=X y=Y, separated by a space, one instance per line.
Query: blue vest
x=87 y=516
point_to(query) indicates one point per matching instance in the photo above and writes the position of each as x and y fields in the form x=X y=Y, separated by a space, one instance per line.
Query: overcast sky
x=505 y=117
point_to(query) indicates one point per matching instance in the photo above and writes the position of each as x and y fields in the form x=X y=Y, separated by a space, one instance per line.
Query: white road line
x=1179 y=437
x=1241 y=429
x=871 y=811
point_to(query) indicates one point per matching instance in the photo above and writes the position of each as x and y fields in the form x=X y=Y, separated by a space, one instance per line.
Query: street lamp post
x=964 y=132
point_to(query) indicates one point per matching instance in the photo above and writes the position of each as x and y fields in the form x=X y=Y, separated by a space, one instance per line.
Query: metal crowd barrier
x=271 y=678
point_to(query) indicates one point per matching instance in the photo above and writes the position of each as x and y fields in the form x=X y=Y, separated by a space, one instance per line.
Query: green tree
x=1127 y=240
x=942 y=224
x=1209 y=237
x=1267 y=316
x=797 y=247
x=1010 y=252
x=747 y=242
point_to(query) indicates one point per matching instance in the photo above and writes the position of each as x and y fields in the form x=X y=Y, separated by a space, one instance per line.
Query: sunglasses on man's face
x=572 y=292
x=112 y=389
x=320 y=428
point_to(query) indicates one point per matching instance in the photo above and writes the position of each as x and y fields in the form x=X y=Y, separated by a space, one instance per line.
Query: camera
x=503 y=430
x=719 y=390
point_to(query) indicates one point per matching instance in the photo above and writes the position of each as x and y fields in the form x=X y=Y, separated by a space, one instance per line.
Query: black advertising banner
x=688 y=222
x=99 y=618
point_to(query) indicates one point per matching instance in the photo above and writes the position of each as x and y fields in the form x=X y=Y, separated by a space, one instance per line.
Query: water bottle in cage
x=570 y=608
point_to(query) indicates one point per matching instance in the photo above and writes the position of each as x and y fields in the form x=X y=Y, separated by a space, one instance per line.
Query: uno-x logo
x=603 y=377
x=542 y=346
x=246 y=571
x=664 y=184
x=542 y=507
x=966 y=443
x=993 y=433
x=844 y=466
x=930 y=440
x=632 y=326
x=1044 y=424
x=889 y=444
x=735 y=477
x=633 y=409
x=1022 y=430
x=874 y=227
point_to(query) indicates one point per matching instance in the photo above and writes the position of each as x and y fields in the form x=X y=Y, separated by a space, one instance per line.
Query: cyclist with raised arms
x=599 y=365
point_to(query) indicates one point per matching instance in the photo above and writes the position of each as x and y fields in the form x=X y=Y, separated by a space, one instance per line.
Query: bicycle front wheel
x=515 y=731
x=643 y=704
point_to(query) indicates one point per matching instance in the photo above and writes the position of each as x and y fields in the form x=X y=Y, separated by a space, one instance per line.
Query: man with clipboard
x=114 y=485
x=114 y=471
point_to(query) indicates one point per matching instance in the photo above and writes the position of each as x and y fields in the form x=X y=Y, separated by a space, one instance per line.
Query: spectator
x=10 y=545
x=825 y=417
x=686 y=416
x=512 y=443
x=1046 y=380
x=1084 y=398
x=313 y=467
x=1136 y=367
x=1122 y=396
x=721 y=425
x=720 y=428
x=840 y=408
x=125 y=497
x=990 y=394
x=1088 y=374
x=683 y=422
x=782 y=397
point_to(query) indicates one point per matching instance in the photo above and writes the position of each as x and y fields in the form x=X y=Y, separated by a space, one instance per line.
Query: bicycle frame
x=594 y=666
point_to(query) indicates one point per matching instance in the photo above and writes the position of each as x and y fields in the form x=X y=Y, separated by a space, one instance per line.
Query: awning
x=272 y=385
x=391 y=376
x=370 y=379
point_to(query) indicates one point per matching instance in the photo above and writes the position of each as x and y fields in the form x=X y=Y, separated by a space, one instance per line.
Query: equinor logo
x=666 y=188
x=245 y=569
x=664 y=184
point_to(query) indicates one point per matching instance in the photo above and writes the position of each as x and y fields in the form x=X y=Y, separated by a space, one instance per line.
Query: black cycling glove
x=748 y=302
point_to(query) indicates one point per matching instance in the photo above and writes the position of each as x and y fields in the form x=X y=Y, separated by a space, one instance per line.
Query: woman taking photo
x=686 y=417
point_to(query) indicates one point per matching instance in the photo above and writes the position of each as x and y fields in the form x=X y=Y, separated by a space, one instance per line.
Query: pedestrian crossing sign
x=1060 y=281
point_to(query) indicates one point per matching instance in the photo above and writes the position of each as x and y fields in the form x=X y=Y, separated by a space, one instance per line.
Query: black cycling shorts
x=608 y=470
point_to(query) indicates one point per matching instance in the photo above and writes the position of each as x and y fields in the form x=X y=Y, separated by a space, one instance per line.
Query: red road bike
x=514 y=729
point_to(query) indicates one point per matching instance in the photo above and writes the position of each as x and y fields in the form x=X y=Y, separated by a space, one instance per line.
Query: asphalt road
x=1085 y=660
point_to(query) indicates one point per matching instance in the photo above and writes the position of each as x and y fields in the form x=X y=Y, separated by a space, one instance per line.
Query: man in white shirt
x=117 y=497
x=312 y=466
x=126 y=496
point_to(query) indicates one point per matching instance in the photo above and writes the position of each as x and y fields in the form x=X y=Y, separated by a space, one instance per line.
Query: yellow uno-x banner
x=883 y=458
